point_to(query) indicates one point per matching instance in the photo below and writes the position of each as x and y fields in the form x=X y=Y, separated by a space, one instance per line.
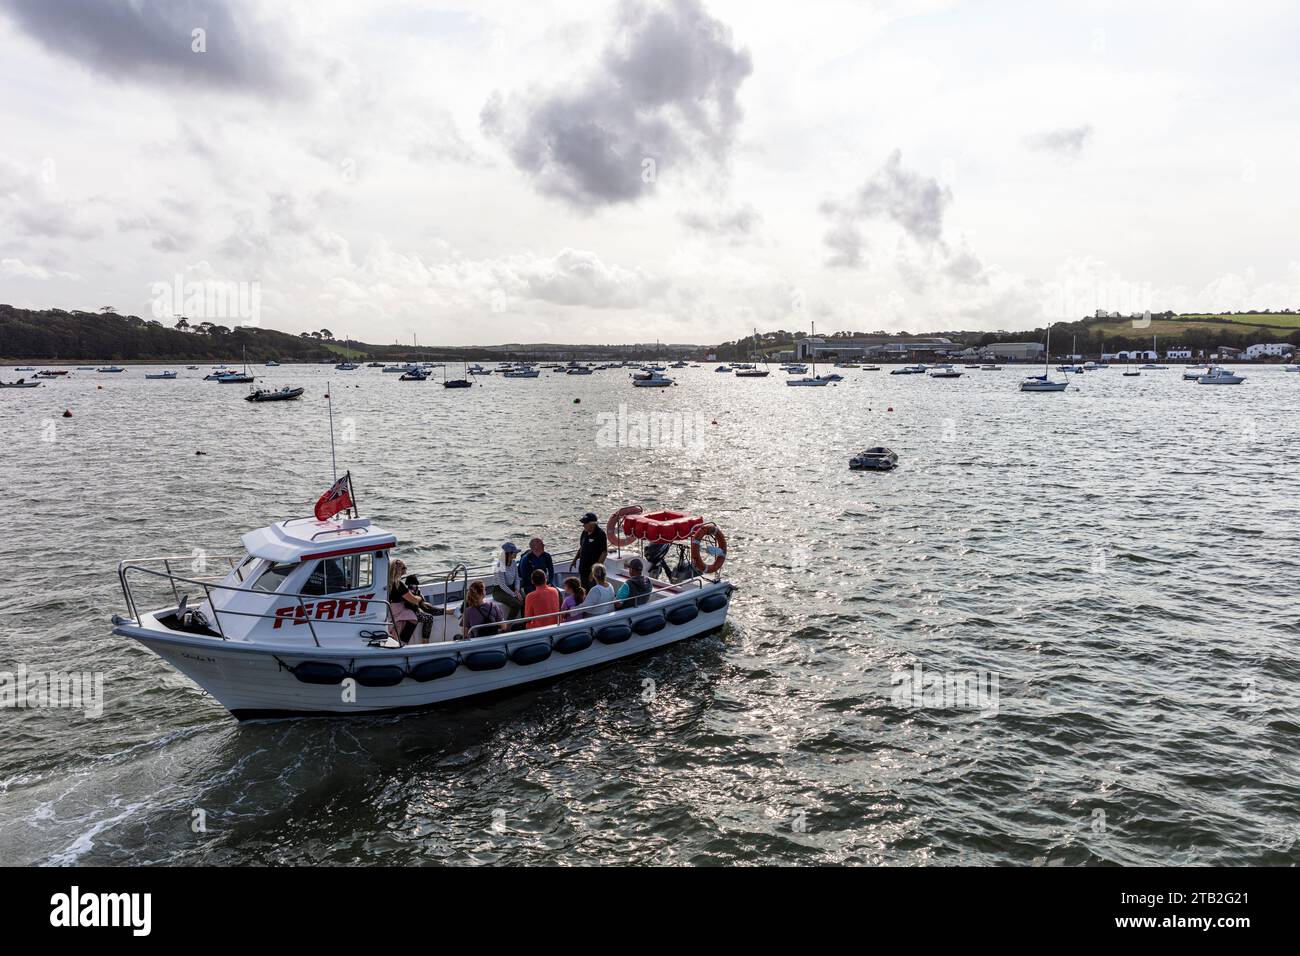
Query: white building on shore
x=1273 y=349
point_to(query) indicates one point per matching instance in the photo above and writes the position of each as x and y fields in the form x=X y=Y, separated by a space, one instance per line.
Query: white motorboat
x=1193 y=373
x=521 y=372
x=1220 y=376
x=160 y=375
x=300 y=624
x=652 y=380
x=945 y=373
x=346 y=367
x=1291 y=368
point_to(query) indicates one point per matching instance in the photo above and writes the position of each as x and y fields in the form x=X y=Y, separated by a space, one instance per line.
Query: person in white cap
x=506 y=589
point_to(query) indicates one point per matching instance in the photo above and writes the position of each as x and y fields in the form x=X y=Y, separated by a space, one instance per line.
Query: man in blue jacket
x=535 y=557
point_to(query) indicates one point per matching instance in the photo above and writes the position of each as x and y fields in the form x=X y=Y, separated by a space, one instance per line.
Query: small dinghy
x=273 y=394
x=21 y=383
x=874 y=459
x=302 y=624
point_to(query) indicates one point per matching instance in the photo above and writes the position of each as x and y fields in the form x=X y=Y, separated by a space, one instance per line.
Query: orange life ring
x=614 y=530
x=714 y=533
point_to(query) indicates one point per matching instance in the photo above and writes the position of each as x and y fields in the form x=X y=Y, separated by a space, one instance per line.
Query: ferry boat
x=300 y=624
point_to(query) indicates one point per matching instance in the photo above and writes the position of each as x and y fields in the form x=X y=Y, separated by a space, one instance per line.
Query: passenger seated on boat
x=506 y=590
x=574 y=595
x=535 y=558
x=402 y=603
x=542 y=602
x=600 y=599
x=481 y=617
x=424 y=610
x=636 y=590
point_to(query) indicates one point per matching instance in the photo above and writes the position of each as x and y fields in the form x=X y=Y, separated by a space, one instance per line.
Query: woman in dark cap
x=506 y=587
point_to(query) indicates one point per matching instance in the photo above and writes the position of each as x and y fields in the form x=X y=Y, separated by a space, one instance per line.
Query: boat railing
x=125 y=568
x=698 y=582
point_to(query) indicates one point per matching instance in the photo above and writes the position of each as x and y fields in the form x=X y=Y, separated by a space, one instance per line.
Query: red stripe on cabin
x=342 y=551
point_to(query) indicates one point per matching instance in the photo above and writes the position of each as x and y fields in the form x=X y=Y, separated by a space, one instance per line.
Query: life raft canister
x=663 y=526
x=617 y=531
x=717 y=541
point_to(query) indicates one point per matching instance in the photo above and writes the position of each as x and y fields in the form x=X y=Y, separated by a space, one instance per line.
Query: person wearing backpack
x=481 y=617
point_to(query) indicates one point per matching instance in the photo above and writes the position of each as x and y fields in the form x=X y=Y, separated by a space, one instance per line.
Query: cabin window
x=346 y=573
x=245 y=568
x=275 y=574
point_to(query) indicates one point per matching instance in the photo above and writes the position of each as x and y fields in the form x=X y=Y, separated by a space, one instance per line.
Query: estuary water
x=1114 y=567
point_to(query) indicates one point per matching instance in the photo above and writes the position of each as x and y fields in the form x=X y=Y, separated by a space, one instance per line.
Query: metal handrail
x=125 y=567
x=698 y=581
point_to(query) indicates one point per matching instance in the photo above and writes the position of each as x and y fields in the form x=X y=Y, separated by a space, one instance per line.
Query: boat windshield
x=275 y=574
x=245 y=568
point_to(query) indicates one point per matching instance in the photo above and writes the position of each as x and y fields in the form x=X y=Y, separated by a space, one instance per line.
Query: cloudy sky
x=683 y=170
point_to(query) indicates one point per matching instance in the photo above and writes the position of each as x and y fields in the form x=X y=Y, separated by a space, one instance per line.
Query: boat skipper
x=593 y=548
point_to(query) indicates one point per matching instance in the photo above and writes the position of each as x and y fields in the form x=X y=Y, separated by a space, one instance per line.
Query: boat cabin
x=326 y=577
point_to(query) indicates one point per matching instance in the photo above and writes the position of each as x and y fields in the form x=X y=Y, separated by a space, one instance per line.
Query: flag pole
x=329 y=400
x=352 y=493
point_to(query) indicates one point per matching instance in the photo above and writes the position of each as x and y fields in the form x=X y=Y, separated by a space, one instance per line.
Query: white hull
x=251 y=680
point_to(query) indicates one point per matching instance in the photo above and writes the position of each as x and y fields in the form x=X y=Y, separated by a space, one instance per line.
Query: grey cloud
x=737 y=223
x=914 y=202
x=665 y=90
x=845 y=241
x=34 y=209
x=152 y=40
x=1066 y=142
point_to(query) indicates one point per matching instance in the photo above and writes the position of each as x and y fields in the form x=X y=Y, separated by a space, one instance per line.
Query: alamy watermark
x=208 y=301
x=936 y=690
x=31 y=690
x=639 y=429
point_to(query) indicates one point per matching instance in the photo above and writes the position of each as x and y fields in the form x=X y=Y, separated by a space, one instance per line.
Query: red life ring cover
x=662 y=525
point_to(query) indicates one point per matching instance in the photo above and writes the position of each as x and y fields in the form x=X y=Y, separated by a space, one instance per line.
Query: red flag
x=338 y=498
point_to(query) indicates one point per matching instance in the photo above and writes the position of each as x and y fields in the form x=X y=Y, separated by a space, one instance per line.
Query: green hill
x=53 y=335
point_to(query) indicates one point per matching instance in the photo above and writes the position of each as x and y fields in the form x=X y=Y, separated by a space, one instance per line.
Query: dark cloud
x=914 y=202
x=1065 y=142
x=662 y=98
x=152 y=40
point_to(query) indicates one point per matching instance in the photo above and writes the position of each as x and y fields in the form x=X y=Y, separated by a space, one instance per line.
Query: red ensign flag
x=338 y=498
